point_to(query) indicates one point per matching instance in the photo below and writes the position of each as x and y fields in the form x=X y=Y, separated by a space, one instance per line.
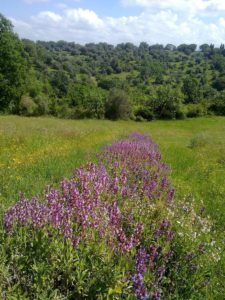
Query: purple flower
x=161 y=271
x=106 y=201
x=156 y=295
x=137 y=278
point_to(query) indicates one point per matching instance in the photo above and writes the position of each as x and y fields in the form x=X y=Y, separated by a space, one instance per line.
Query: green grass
x=35 y=152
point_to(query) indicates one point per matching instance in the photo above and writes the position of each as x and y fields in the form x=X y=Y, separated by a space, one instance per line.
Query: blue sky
x=116 y=21
x=25 y=8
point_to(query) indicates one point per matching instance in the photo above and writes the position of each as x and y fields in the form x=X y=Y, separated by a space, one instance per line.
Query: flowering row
x=112 y=201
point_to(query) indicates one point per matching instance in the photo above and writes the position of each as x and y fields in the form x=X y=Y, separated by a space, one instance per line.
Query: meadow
x=40 y=151
x=36 y=152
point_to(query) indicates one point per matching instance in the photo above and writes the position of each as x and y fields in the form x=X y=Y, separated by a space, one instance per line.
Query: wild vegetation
x=75 y=81
x=97 y=209
x=137 y=239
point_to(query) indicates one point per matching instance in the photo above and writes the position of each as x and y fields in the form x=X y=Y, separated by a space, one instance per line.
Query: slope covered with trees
x=88 y=81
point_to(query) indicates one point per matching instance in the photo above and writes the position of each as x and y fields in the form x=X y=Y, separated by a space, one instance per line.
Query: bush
x=145 y=113
x=168 y=103
x=180 y=114
x=140 y=119
x=63 y=111
x=87 y=101
x=217 y=105
x=109 y=84
x=118 y=105
x=195 y=110
x=27 y=106
x=192 y=90
x=42 y=105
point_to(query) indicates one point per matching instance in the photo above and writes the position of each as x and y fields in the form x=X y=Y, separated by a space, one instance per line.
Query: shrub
x=64 y=111
x=42 y=105
x=217 y=105
x=181 y=114
x=195 y=110
x=27 y=106
x=140 y=119
x=168 y=103
x=192 y=90
x=145 y=113
x=118 y=105
x=87 y=101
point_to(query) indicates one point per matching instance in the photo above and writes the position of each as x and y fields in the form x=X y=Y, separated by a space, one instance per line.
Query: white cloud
x=83 y=18
x=167 y=4
x=178 y=5
x=217 y=5
x=222 y=21
x=153 y=25
x=46 y=16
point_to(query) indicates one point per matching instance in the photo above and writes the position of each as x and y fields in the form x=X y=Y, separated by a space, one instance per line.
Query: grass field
x=35 y=152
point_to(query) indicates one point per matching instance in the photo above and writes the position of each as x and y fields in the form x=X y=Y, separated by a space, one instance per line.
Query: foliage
x=5 y=25
x=118 y=105
x=146 y=113
x=168 y=103
x=42 y=105
x=191 y=90
x=27 y=106
x=13 y=67
x=218 y=104
x=196 y=110
x=62 y=72
x=219 y=62
x=219 y=83
x=187 y=49
x=88 y=99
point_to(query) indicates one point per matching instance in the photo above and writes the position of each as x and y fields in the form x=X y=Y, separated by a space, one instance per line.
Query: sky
x=118 y=21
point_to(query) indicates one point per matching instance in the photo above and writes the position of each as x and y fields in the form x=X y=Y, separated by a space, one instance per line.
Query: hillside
x=125 y=81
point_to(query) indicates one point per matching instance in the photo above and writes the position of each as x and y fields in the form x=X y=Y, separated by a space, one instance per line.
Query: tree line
x=99 y=81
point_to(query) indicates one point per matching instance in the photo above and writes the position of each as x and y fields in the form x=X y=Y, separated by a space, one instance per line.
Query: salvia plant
x=113 y=231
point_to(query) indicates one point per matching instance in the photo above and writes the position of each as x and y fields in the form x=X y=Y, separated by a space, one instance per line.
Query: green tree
x=5 y=25
x=218 y=62
x=170 y=47
x=150 y=68
x=187 y=49
x=192 y=90
x=88 y=101
x=13 y=67
x=205 y=48
x=219 y=83
x=118 y=105
x=60 y=82
x=218 y=104
x=168 y=103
